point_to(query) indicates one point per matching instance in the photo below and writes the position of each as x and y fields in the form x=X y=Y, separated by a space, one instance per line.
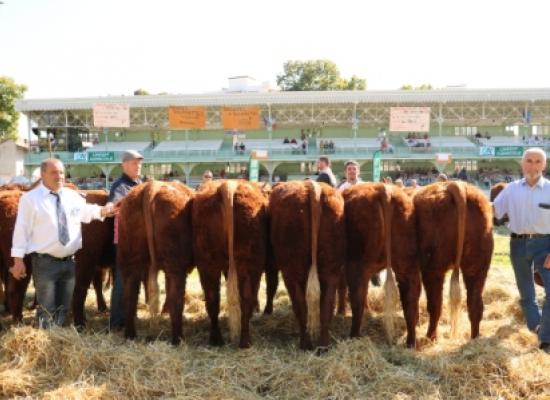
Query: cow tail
x=152 y=286
x=390 y=286
x=313 y=287
x=232 y=288
x=458 y=191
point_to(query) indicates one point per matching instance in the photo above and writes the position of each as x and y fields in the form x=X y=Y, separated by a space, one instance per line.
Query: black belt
x=529 y=235
x=60 y=259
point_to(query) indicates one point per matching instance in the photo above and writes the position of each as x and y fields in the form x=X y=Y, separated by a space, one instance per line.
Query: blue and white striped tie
x=62 y=229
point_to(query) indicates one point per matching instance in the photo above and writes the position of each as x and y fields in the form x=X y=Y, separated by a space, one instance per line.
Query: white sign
x=410 y=119
x=83 y=156
x=110 y=115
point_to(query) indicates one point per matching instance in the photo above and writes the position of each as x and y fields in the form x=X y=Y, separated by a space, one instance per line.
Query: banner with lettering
x=241 y=118
x=111 y=115
x=409 y=119
x=186 y=117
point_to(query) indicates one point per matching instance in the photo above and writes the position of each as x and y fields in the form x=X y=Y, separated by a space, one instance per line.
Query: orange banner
x=187 y=117
x=241 y=117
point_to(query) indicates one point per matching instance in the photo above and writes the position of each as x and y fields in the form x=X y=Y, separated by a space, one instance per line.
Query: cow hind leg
x=98 y=288
x=131 y=292
x=409 y=291
x=433 y=284
x=175 y=290
x=474 y=288
x=357 y=293
x=248 y=288
x=272 y=282
x=328 y=297
x=342 y=289
x=84 y=275
x=211 y=286
x=296 y=291
x=15 y=293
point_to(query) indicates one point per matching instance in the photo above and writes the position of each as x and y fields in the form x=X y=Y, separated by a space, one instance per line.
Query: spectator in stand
x=322 y=145
x=293 y=141
x=286 y=141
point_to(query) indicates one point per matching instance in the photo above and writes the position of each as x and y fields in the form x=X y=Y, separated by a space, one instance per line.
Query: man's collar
x=540 y=183
x=44 y=191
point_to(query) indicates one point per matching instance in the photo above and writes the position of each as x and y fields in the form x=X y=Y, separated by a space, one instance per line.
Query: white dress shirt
x=347 y=184
x=36 y=227
x=521 y=202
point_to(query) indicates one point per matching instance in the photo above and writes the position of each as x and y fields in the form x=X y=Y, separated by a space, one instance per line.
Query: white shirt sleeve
x=500 y=204
x=23 y=225
x=89 y=212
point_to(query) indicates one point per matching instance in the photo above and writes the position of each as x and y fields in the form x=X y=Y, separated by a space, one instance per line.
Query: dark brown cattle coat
x=450 y=240
x=230 y=237
x=96 y=254
x=308 y=243
x=14 y=289
x=155 y=233
x=378 y=218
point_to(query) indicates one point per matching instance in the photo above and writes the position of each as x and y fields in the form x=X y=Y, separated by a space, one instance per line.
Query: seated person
x=285 y=141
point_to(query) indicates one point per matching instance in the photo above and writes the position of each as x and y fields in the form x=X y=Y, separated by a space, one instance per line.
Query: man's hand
x=547 y=262
x=110 y=209
x=19 y=271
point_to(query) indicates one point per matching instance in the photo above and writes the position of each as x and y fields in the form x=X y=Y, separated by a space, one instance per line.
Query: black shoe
x=545 y=347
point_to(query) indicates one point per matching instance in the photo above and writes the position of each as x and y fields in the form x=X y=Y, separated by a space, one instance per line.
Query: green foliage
x=316 y=75
x=424 y=86
x=10 y=92
x=141 y=92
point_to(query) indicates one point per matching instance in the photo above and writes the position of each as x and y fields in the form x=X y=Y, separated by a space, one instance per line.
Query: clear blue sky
x=62 y=48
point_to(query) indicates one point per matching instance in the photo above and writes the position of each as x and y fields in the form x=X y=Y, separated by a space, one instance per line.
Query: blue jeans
x=54 y=286
x=116 y=319
x=526 y=255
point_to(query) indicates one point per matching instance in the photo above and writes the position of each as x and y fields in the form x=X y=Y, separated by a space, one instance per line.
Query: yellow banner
x=241 y=117
x=187 y=117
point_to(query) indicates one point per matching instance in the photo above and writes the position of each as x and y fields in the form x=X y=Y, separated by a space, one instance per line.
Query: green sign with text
x=509 y=151
x=101 y=156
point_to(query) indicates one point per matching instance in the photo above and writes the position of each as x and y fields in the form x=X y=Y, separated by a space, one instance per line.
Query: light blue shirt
x=521 y=202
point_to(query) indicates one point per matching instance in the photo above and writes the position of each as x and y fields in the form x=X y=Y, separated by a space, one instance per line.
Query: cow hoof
x=245 y=344
x=320 y=350
x=268 y=310
x=79 y=328
x=306 y=345
x=216 y=340
x=176 y=341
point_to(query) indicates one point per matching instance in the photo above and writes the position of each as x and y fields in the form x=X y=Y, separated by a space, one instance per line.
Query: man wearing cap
x=48 y=227
x=131 y=171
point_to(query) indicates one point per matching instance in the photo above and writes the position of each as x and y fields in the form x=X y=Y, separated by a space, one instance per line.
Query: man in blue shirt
x=131 y=171
x=527 y=204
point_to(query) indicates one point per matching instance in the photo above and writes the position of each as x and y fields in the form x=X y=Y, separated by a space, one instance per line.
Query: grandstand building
x=481 y=129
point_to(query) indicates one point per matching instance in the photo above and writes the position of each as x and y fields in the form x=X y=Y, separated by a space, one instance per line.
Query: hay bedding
x=62 y=364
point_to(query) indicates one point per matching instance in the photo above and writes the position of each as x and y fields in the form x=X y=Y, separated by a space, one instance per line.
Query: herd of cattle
x=314 y=235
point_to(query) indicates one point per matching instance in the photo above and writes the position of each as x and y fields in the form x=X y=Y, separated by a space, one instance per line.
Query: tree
x=316 y=75
x=424 y=86
x=141 y=92
x=10 y=92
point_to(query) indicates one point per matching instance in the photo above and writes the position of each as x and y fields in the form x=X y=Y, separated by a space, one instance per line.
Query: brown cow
x=454 y=228
x=14 y=289
x=230 y=236
x=309 y=243
x=381 y=233
x=97 y=253
x=155 y=233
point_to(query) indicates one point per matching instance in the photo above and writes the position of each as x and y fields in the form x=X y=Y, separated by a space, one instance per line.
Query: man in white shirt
x=48 y=228
x=352 y=172
x=527 y=204
x=325 y=173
